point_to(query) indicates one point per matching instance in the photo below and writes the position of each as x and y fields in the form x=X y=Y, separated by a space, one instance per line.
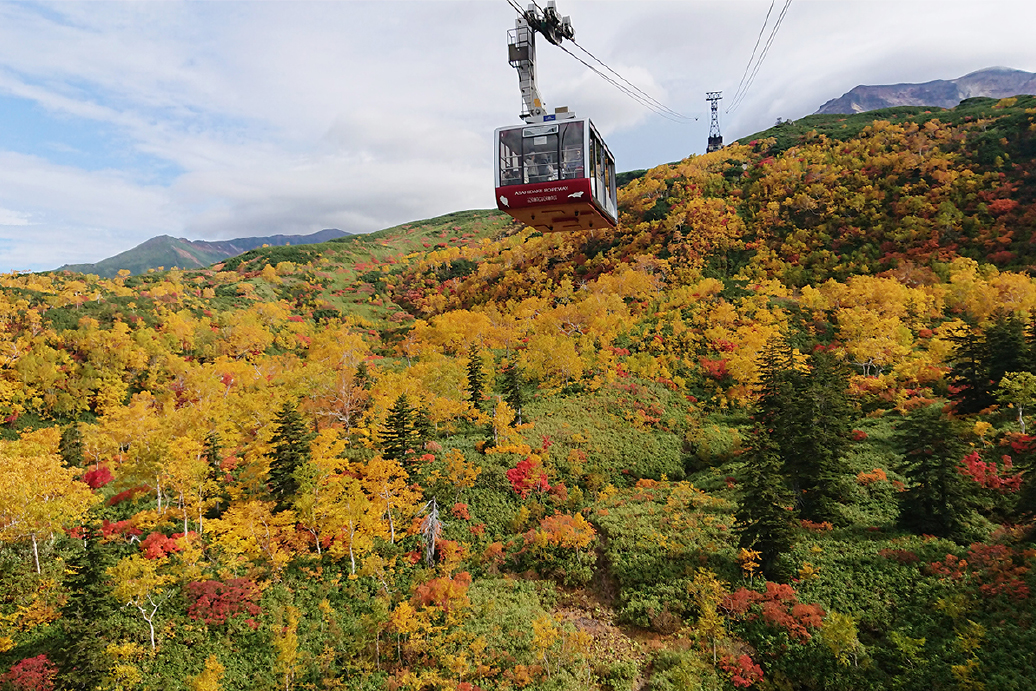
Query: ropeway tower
x=715 y=138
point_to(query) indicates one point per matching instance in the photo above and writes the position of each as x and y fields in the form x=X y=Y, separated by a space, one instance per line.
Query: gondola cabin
x=556 y=176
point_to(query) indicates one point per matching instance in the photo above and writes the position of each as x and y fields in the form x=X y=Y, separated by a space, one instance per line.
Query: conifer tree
x=476 y=378
x=775 y=385
x=214 y=457
x=765 y=517
x=513 y=383
x=807 y=417
x=1007 y=347
x=89 y=617
x=970 y=373
x=290 y=452
x=71 y=446
x=819 y=439
x=936 y=501
x=401 y=431
x=363 y=376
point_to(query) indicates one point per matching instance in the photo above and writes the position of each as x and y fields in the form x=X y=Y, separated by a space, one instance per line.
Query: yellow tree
x=338 y=390
x=315 y=502
x=385 y=481
x=138 y=583
x=331 y=502
x=186 y=472
x=286 y=643
x=38 y=494
x=210 y=677
x=458 y=473
x=354 y=518
x=250 y=530
x=503 y=416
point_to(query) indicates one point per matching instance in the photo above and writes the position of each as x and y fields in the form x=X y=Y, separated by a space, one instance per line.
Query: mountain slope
x=993 y=82
x=166 y=251
x=593 y=424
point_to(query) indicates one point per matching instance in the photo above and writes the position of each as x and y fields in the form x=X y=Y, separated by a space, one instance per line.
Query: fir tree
x=214 y=457
x=401 y=432
x=513 y=383
x=476 y=378
x=969 y=374
x=775 y=385
x=1007 y=348
x=290 y=452
x=88 y=617
x=807 y=417
x=363 y=376
x=820 y=437
x=935 y=501
x=765 y=517
x=71 y=446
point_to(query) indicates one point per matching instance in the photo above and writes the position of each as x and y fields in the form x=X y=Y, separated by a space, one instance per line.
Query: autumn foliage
x=595 y=517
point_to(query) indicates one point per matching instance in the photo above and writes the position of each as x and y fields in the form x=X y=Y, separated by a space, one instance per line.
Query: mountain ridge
x=991 y=82
x=167 y=251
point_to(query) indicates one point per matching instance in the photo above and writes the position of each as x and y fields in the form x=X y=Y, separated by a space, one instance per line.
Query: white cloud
x=13 y=218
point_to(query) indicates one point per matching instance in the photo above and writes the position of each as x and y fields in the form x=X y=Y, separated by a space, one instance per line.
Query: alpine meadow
x=772 y=431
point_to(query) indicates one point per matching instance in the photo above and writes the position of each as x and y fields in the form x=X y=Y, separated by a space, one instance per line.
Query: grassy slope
x=163 y=251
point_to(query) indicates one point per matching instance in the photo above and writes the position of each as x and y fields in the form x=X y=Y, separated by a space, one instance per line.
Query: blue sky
x=211 y=120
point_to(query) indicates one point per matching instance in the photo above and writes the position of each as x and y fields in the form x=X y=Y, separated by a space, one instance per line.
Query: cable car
x=556 y=176
x=555 y=172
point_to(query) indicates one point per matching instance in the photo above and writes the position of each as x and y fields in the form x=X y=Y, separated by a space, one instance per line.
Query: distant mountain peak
x=167 y=251
x=992 y=82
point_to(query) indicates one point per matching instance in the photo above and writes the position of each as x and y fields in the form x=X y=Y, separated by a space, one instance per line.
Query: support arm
x=521 y=51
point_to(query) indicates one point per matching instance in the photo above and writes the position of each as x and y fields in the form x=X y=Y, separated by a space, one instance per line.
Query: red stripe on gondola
x=543 y=193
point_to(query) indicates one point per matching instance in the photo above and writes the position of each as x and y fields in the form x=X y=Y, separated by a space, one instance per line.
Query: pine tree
x=476 y=378
x=1007 y=347
x=214 y=457
x=765 y=519
x=513 y=383
x=775 y=384
x=807 y=417
x=89 y=617
x=290 y=452
x=400 y=433
x=71 y=446
x=936 y=500
x=970 y=373
x=820 y=437
x=363 y=376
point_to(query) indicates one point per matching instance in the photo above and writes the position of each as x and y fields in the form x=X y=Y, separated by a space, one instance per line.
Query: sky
x=121 y=121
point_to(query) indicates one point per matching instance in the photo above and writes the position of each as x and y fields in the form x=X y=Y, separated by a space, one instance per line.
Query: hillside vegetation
x=769 y=432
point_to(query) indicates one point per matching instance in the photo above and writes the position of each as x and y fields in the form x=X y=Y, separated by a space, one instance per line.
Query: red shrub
x=778 y=606
x=157 y=545
x=527 y=476
x=98 y=478
x=742 y=671
x=216 y=601
x=447 y=593
x=31 y=674
x=120 y=528
x=987 y=474
x=903 y=556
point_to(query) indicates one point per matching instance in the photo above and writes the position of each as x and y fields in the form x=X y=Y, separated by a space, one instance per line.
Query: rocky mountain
x=993 y=82
x=166 y=251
